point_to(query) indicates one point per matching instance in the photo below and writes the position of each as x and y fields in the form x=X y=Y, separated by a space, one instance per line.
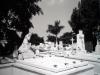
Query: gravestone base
x=97 y=49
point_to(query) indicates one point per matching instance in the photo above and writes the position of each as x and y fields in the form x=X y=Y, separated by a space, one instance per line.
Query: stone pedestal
x=97 y=48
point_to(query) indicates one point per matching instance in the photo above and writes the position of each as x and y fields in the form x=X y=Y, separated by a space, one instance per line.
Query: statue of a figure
x=80 y=41
x=24 y=50
x=26 y=45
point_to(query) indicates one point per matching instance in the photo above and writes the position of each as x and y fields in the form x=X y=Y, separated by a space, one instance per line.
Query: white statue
x=24 y=49
x=80 y=41
x=26 y=45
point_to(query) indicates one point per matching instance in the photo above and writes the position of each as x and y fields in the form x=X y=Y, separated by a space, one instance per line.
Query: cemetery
x=50 y=59
x=31 y=45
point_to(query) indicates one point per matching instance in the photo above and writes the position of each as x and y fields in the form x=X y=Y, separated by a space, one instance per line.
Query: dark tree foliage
x=55 y=29
x=36 y=40
x=51 y=38
x=66 y=37
x=86 y=17
x=15 y=17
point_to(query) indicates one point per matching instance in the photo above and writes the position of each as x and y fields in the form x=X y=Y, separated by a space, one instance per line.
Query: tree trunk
x=56 y=41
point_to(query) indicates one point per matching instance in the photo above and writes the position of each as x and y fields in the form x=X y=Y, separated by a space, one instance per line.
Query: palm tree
x=55 y=29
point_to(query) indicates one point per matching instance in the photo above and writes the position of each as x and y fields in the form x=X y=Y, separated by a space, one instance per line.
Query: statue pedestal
x=97 y=48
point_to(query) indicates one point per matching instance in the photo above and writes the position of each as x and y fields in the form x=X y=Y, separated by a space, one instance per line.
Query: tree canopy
x=51 y=38
x=15 y=17
x=36 y=40
x=55 y=29
x=67 y=36
x=87 y=18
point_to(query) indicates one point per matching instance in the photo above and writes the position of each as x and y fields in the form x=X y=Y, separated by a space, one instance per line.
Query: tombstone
x=80 y=41
x=60 y=45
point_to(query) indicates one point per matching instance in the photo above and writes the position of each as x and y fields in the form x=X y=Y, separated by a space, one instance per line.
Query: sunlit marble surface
x=47 y=65
x=92 y=58
x=53 y=63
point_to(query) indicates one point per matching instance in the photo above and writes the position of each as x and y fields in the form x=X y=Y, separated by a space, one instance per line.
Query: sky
x=53 y=10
